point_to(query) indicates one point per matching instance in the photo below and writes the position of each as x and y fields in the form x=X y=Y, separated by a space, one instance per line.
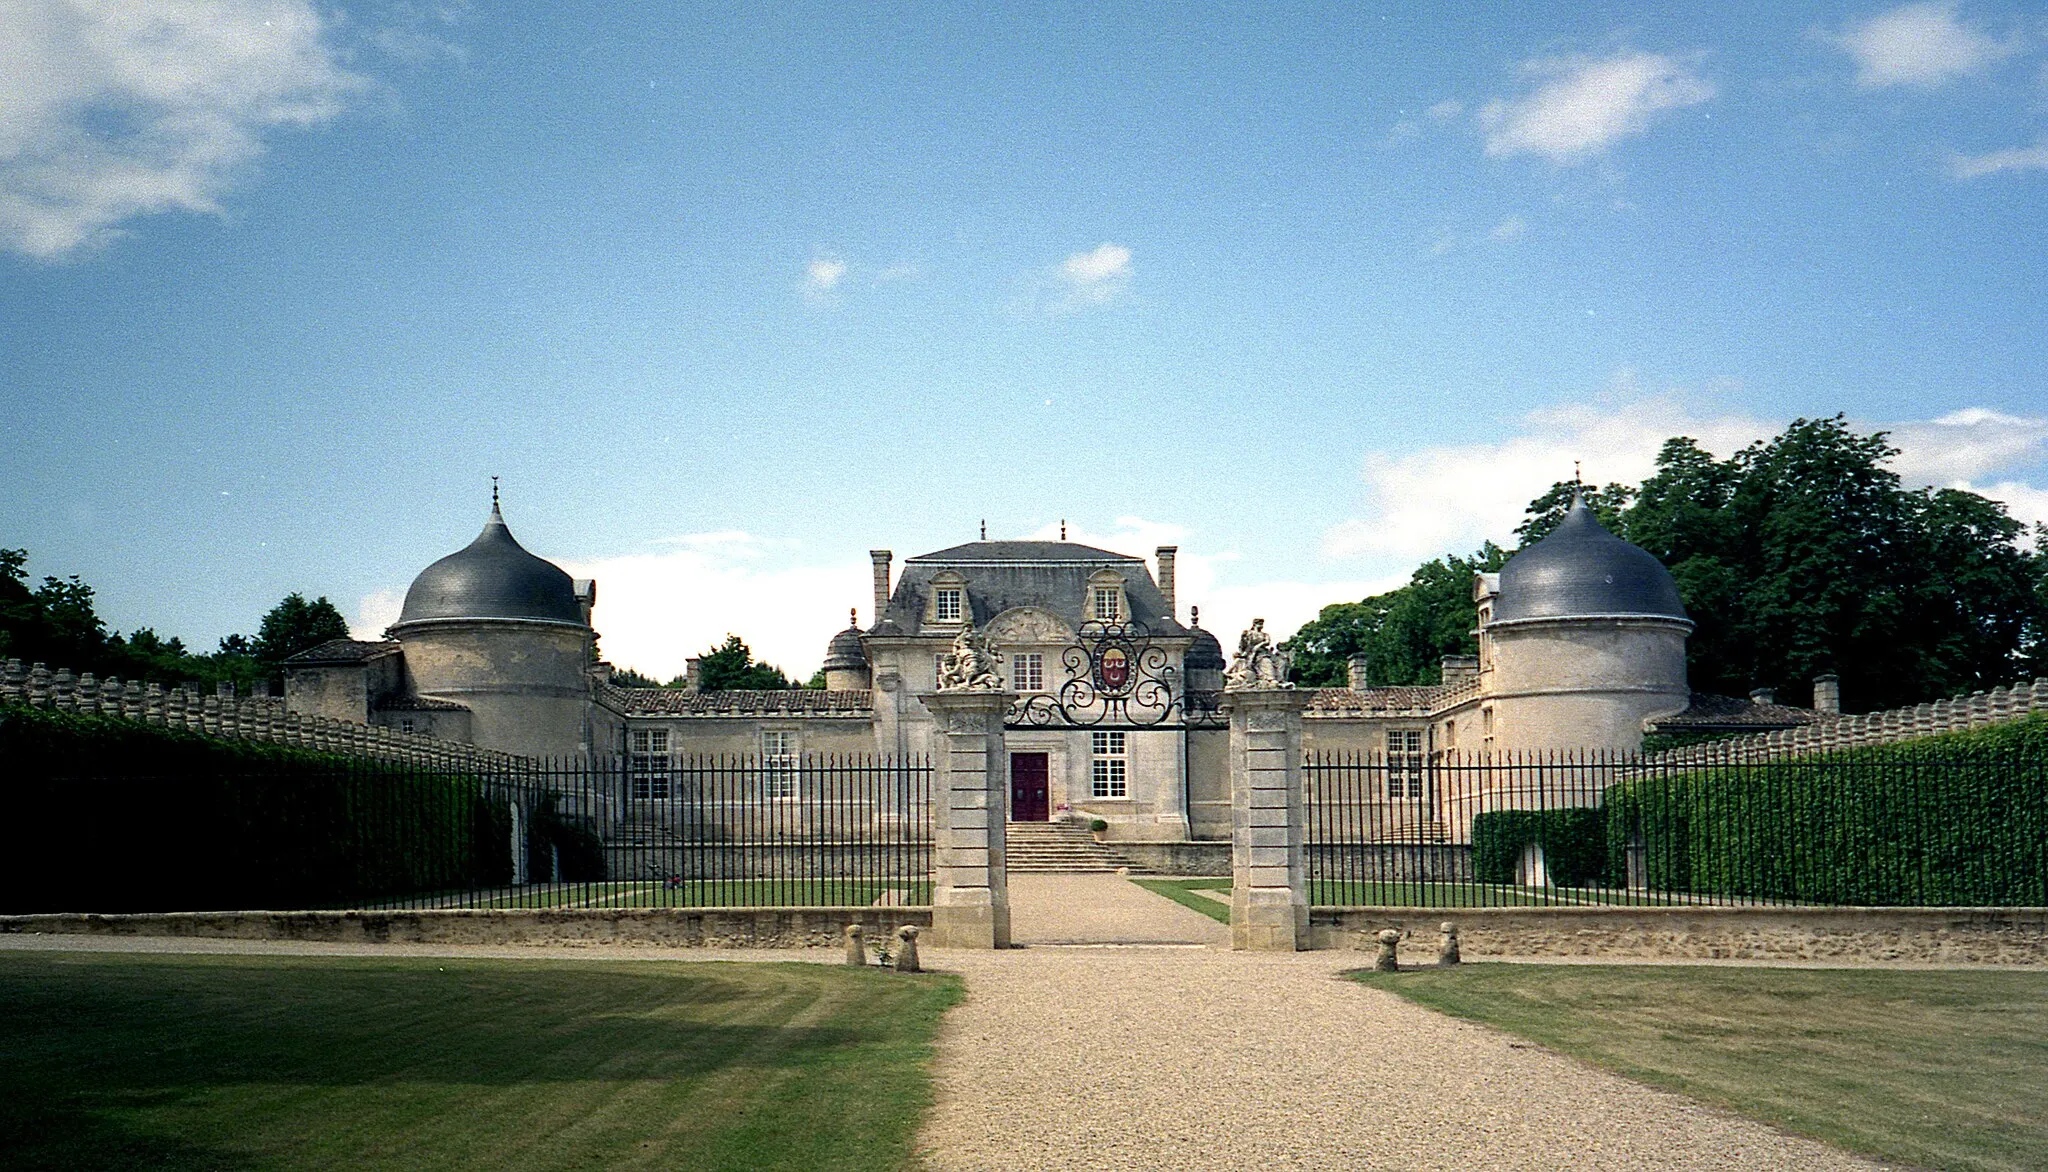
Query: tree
x=626 y=677
x=730 y=667
x=1547 y=510
x=295 y=625
x=1404 y=633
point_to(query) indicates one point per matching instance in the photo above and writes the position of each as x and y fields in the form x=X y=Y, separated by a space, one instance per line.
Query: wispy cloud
x=1581 y=106
x=1925 y=45
x=2029 y=158
x=122 y=108
x=822 y=276
x=1096 y=276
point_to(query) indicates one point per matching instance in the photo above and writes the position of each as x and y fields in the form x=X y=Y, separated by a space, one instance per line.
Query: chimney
x=1355 y=676
x=1763 y=695
x=1166 y=553
x=693 y=674
x=1458 y=669
x=881 y=557
x=1827 y=693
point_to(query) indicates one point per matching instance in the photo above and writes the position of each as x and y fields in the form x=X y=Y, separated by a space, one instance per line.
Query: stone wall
x=663 y=927
x=1975 y=710
x=1850 y=935
x=231 y=717
x=1177 y=858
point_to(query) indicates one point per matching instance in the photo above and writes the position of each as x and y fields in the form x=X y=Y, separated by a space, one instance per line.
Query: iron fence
x=667 y=831
x=1871 y=827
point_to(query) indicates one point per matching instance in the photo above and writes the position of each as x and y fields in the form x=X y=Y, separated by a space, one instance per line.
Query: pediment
x=1028 y=624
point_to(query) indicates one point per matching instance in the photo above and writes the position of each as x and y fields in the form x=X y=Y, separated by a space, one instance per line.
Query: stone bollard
x=1447 y=948
x=906 y=949
x=1389 y=960
x=856 y=947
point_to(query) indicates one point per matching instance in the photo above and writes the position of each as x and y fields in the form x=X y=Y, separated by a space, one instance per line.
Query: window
x=1404 y=763
x=1107 y=778
x=406 y=725
x=649 y=769
x=1027 y=672
x=1109 y=604
x=946 y=604
x=778 y=764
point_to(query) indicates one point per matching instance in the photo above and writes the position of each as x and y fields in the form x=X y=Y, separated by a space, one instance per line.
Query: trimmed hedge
x=1574 y=844
x=109 y=815
x=1954 y=820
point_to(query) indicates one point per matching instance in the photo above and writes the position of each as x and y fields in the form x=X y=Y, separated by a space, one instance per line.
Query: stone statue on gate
x=1258 y=663
x=974 y=664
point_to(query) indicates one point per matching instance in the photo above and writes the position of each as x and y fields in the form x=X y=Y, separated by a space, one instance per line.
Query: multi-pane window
x=778 y=764
x=1404 y=762
x=946 y=604
x=650 y=767
x=1107 y=777
x=406 y=726
x=1027 y=672
x=1109 y=604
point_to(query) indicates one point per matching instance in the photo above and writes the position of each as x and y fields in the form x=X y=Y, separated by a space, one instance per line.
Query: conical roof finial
x=495 y=514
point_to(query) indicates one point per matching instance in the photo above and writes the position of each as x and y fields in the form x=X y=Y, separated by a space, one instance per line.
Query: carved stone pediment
x=1028 y=624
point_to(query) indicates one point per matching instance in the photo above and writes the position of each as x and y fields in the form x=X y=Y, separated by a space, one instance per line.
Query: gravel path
x=1102 y=909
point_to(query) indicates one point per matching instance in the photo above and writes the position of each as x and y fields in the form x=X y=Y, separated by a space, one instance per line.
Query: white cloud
x=2033 y=158
x=2027 y=502
x=1511 y=229
x=656 y=609
x=1924 y=45
x=1582 y=106
x=374 y=612
x=1096 y=276
x=122 y=108
x=823 y=275
x=1965 y=445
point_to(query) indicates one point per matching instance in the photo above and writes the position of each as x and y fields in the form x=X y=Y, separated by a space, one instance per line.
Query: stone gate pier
x=970 y=780
x=1268 y=815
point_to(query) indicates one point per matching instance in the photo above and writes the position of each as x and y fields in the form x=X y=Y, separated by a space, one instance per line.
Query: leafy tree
x=295 y=625
x=1404 y=633
x=626 y=677
x=730 y=667
x=1547 y=510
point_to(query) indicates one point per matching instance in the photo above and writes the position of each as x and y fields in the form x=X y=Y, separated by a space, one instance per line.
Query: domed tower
x=1581 y=641
x=846 y=660
x=502 y=633
x=1204 y=661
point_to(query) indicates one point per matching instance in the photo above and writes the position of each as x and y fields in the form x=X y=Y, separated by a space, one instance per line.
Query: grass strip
x=1943 y=1070
x=1182 y=892
x=123 y=1060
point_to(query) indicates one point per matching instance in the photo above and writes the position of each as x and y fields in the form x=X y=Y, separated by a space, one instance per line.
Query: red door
x=1028 y=775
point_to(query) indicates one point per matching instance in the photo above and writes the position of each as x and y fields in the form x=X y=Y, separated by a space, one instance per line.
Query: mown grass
x=1938 y=1069
x=139 y=1061
x=1181 y=891
x=650 y=893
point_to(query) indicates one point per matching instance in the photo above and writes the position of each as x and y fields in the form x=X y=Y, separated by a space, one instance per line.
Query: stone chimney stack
x=693 y=674
x=1458 y=669
x=1763 y=695
x=882 y=558
x=1355 y=676
x=1166 y=553
x=1827 y=693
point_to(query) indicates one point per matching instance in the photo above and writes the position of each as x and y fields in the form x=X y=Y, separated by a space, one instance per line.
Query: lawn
x=1181 y=891
x=127 y=1061
x=1940 y=1069
x=689 y=893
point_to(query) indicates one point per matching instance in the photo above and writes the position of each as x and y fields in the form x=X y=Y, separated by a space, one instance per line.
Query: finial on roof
x=495 y=515
x=853 y=616
x=1194 y=616
x=1578 y=486
x=984 y=528
x=1063 y=528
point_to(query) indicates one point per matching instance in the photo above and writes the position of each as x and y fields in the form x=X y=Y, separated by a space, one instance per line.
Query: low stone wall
x=1390 y=862
x=1915 y=935
x=1176 y=858
x=720 y=927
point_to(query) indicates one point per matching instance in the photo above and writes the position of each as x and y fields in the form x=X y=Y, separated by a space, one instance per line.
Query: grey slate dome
x=845 y=651
x=492 y=577
x=1205 y=653
x=1582 y=571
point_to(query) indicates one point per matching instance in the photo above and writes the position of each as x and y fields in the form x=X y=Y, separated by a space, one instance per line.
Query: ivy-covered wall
x=1574 y=844
x=111 y=815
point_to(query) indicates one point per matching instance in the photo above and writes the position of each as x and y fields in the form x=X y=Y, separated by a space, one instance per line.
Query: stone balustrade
x=2000 y=705
x=227 y=716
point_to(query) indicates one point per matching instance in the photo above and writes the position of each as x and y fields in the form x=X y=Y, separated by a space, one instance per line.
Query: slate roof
x=1003 y=575
x=343 y=651
x=1711 y=713
x=492 y=577
x=1581 y=570
x=739 y=703
x=419 y=704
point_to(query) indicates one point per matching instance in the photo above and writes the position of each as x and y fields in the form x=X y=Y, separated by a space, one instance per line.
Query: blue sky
x=729 y=298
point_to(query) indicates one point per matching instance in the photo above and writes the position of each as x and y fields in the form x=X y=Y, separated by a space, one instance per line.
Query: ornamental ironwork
x=1115 y=676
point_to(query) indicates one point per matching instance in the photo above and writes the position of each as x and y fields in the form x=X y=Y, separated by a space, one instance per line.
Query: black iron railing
x=666 y=831
x=1872 y=827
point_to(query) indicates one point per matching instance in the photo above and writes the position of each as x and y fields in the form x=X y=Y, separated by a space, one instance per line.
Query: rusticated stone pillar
x=971 y=887
x=1268 y=820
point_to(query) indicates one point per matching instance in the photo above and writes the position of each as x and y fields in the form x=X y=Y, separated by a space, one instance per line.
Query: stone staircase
x=1061 y=848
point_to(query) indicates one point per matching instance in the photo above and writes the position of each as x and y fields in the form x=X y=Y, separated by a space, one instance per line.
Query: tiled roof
x=1381 y=701
x=786 y=702
x=344 y=651
x=1709 y=712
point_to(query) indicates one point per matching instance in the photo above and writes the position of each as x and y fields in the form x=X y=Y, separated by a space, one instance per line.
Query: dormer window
x=1109 y=604
x=946 y=604
x=1106 y=601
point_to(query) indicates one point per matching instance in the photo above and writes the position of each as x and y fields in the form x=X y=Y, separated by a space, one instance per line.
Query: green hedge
x=110 y=815
x=1953 y=820
x=1573 y=840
